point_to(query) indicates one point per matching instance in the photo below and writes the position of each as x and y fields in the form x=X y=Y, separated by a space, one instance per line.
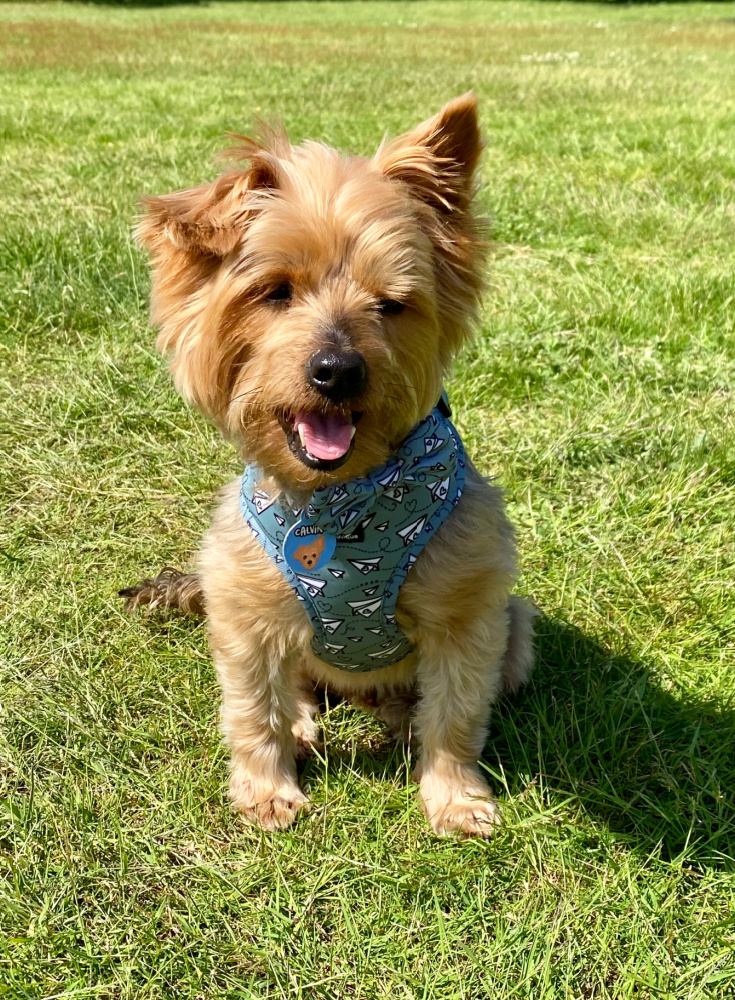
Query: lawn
x=599 y=392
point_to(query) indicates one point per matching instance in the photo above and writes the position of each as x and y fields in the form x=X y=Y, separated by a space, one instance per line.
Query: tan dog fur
x=344 y=234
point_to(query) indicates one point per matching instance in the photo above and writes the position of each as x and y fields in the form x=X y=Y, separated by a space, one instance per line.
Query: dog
x=308 y=555
x=310 y=305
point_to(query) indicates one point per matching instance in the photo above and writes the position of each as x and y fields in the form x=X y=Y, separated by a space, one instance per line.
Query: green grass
x=600 y=392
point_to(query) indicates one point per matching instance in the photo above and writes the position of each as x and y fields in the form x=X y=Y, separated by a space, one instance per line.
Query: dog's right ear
x=194 y=220
x=437 y=159
x=209 y=220
x=188 y=234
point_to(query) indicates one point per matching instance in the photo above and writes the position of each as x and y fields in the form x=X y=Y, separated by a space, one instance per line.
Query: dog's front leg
x=258 y=712
x=458 y=676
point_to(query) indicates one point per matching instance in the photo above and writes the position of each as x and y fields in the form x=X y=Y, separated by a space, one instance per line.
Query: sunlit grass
x=599 y=392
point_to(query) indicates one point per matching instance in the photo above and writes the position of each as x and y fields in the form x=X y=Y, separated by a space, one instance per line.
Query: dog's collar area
x=443 y=406
x=334 y=507
x=346 y=553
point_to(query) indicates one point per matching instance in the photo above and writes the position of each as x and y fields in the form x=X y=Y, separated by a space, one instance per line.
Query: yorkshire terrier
x=311 y=304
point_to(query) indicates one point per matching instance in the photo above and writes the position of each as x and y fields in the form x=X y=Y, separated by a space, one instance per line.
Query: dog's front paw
x=263 y=803
x=459 y=803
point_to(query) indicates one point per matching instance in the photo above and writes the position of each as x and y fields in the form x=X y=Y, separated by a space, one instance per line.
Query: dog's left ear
x=436 y=164
x=437 y=159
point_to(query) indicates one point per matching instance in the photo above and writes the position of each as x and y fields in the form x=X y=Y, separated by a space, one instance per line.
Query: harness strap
x=347 y=554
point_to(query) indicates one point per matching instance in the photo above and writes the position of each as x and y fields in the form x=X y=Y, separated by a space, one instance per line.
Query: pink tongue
x=325 y=437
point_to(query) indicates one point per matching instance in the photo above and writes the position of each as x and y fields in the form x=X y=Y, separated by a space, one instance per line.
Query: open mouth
x=322 y=441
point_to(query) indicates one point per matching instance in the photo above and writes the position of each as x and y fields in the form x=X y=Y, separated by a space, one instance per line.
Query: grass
x=600 y=393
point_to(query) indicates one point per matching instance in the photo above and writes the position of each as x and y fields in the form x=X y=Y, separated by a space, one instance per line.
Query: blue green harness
x=348 y=552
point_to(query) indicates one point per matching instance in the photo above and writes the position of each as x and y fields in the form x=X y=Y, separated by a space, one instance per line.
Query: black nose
x=337 y=374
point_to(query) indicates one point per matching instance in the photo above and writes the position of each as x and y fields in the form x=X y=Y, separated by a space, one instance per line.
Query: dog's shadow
x=595 y=732
x=598 y=729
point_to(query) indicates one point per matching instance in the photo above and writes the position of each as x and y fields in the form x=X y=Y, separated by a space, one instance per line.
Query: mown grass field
x=599 y=391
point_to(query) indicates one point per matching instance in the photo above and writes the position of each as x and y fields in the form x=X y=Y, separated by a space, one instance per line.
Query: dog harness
x=348 y=552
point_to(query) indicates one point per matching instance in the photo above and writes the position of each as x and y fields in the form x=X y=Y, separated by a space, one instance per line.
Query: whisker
x=248 y=392
x=241 y=395
x=403 y=385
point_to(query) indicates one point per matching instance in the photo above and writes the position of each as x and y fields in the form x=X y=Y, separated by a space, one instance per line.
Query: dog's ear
x=209 y=220
x=436 y=163
x=437 y=159
x=188 y=235
x=194 y=220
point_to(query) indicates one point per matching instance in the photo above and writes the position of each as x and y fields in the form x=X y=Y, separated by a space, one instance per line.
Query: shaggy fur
x=343 y=235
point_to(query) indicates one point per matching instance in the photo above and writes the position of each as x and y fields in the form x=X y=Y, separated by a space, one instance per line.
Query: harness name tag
x=307 y=547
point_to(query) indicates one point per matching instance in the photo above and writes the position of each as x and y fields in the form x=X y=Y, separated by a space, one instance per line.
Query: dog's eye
x=280 y=294
x=390 y=307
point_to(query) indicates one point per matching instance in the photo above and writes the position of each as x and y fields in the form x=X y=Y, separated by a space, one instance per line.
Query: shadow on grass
x=596 y=727
x=654 y=766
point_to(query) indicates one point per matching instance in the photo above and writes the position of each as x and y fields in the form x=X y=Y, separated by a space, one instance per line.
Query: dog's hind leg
x=170 y=589
x=518 y=659
x=395 y=708
x=305 y=728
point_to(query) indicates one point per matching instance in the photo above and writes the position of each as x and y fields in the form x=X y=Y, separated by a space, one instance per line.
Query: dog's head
x=311 y=303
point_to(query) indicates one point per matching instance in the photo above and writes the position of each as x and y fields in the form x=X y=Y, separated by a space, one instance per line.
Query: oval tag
x=306 y=548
